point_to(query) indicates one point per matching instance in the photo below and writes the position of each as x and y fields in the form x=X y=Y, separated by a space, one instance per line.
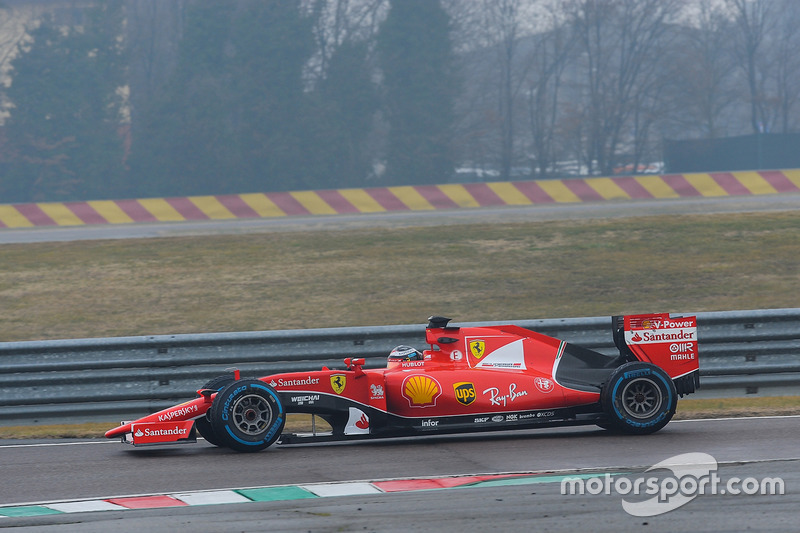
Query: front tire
x=639 y=398
x=247 y=415
x=203 y=424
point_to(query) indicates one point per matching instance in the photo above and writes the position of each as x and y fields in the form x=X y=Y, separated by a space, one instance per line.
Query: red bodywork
x=471 y=379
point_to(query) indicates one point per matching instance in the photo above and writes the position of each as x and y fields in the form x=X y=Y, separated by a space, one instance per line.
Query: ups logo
x=465 y=392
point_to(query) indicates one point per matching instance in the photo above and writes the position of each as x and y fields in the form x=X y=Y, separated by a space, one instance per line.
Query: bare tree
x=754 y=20
x=549 y=58
x=337 y=22
x=503 y=21
x=477 y=124
x=622 y=43
x=702 y=89
x=785 y=44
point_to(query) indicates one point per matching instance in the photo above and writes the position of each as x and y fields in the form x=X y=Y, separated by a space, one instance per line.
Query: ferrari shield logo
x=338 y=383
x=477 y=348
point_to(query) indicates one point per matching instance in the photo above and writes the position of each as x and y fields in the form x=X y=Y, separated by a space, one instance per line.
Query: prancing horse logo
x=338 y=383
x=477 y=348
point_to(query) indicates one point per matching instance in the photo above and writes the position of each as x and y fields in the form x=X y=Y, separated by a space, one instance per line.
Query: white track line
x=49 y=444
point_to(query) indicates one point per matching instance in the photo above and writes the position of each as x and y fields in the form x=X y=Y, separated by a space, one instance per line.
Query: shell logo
x=421 y=391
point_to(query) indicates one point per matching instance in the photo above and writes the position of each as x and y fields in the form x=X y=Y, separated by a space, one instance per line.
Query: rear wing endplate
x=669 y=342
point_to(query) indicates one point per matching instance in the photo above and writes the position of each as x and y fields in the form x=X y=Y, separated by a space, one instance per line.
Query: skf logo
x=477 y=348
x=465 y=392
x=338 y=383
x=421 y=391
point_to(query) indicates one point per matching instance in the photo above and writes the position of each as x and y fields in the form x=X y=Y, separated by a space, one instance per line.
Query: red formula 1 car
x=471 y=379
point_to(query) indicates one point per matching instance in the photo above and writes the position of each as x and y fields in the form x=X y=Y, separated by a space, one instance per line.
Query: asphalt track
x=50 y=471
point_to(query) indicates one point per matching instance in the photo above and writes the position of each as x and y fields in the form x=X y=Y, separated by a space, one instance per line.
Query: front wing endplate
x=159 y=433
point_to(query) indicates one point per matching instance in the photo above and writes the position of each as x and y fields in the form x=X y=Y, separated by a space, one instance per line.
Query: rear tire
x=247 y=415
x=203 y=424
x=639 y=398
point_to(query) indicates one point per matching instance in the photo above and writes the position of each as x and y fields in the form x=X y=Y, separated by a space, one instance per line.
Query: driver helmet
x=404 y=353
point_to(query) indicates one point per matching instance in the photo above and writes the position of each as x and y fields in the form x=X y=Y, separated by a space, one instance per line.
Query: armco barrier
x=741 y=352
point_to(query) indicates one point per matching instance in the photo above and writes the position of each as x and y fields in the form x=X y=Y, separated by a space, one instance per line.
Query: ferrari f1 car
x=470 y=379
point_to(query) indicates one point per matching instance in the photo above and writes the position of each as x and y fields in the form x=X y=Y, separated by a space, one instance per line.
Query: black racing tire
x=247 y=415
x=639 y=398
x=203 y=424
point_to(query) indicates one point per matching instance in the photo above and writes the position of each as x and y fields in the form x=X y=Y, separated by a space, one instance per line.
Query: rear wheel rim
x=642 y=398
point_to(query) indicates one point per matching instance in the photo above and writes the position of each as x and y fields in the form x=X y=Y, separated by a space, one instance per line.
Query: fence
x=41 y=382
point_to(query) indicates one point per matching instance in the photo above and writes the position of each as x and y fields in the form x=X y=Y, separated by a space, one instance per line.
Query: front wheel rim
x=251 y=415
x=642 y=398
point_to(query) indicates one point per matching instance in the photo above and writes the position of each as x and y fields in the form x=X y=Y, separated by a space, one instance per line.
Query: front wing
x=160 y=433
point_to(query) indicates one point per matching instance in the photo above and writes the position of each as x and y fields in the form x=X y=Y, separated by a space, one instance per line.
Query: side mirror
x=355 y=365
x=352 y=362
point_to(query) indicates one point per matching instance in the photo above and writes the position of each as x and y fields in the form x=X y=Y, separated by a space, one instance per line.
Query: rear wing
x=666 y=341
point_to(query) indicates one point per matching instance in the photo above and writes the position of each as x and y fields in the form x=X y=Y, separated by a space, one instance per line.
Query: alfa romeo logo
x=543 y=384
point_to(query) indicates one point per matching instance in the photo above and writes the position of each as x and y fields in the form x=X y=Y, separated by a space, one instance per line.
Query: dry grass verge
x=689 y=408
x=472 y=272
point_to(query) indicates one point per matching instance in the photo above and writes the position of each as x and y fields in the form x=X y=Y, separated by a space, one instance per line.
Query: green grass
x=365 y=277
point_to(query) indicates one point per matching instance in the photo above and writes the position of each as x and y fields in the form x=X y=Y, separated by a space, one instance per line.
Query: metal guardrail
x=741 y=352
